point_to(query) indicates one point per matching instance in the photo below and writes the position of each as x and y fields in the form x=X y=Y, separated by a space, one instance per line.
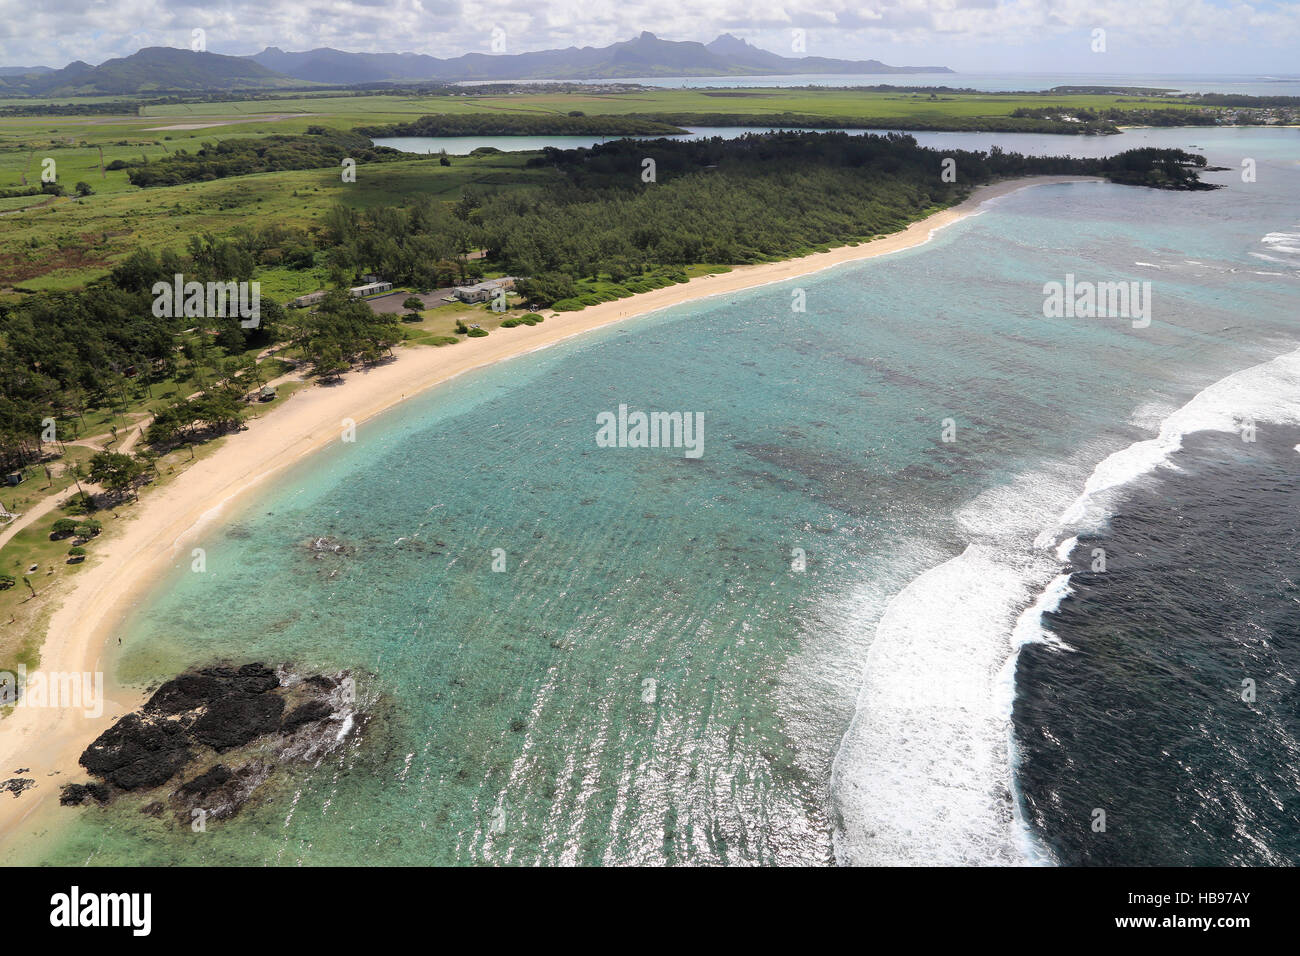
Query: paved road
x=391 y=304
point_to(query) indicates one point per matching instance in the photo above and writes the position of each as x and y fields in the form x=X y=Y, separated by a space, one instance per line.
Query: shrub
x=62 y=528
x=476 y=333
x=80 y=504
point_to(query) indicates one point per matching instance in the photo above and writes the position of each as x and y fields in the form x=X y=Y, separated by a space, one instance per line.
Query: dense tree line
x=212 y=412
x=1098 y=118
x=82 y=108
x=1240 y=100
x=47 y=189
x=523 y=124
x=727 y=201
x=65 y=353
x=1157 y=168
x=342 y=330
x=318 y=147
x=421 y=244
x=788 y=120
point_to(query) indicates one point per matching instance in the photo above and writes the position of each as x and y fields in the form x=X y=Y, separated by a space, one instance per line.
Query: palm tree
x=149 y=459
x=74 y=470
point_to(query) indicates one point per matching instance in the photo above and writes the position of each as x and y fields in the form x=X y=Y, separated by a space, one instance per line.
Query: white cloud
x=54 y=32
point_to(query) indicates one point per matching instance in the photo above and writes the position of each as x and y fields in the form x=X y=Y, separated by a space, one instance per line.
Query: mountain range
x=646 y=55
x=166 y=69
x=155 y=69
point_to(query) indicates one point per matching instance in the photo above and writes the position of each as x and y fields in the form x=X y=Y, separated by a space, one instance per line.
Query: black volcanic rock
x=138 y=752
x=184 y=693
x=218 y=710
x=204 y=783
x=200 y=688
x=235 y=720
x=305 y=714
x=220 y=792
x=75 y=794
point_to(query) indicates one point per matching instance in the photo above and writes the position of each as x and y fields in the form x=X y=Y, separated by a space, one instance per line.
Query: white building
x=483 y=291
x=370 y=288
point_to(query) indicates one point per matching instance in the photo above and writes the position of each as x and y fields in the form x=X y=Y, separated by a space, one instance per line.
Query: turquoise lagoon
x=653 y=679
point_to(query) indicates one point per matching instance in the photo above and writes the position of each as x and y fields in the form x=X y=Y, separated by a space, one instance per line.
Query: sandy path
x=81 y=636
x=31 y=516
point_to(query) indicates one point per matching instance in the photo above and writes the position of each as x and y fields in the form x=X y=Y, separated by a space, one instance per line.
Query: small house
x=370 y=288
x=483 y=291
x=311 y=298
x=14 y=478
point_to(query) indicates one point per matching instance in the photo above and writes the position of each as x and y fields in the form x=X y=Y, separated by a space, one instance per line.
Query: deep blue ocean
x=863 y=626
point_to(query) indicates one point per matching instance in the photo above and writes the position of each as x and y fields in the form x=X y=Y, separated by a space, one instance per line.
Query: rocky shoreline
x=208 y=739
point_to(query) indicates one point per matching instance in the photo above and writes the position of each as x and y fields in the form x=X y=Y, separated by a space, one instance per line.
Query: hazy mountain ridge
x=646 y=55
x=167 y=69
x=153 y=69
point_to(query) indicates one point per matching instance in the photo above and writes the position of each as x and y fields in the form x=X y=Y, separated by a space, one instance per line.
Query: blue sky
x=1050 y=36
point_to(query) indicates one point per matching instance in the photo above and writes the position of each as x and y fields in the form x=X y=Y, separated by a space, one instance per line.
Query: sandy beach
x=46 y=742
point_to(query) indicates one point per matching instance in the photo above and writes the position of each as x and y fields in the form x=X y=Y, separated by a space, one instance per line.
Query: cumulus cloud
x=54 y=32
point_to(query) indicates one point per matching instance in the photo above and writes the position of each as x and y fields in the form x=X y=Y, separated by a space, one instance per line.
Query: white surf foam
x=921 y=777
x=1029 y=629
x=924 y=775
x=1287 y=243
x=1269 y=392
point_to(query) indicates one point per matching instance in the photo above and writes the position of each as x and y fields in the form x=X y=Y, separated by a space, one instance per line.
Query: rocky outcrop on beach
x=77 y=793
x=16 y=785
x=209 y=738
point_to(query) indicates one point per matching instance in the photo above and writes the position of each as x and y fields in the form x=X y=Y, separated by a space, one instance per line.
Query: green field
x=68 y=242
x=370 y=110
x=61 y=243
